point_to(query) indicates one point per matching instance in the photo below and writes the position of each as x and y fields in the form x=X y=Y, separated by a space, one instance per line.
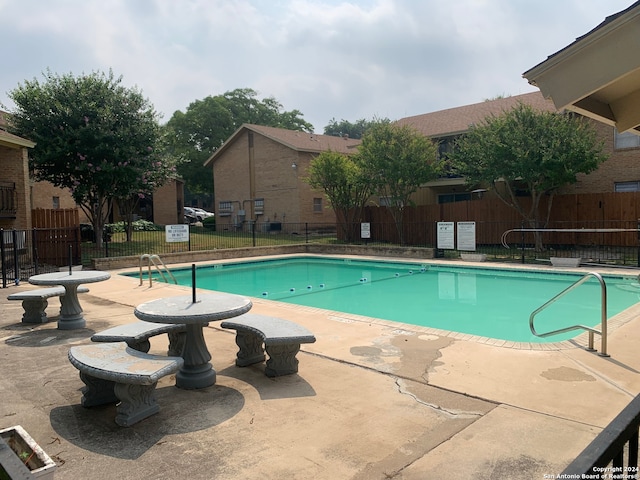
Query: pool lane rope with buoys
x=309 y=289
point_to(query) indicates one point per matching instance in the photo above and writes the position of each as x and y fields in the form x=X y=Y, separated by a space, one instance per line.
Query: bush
x=86 y=233
x=209 y=223
x=138 y=226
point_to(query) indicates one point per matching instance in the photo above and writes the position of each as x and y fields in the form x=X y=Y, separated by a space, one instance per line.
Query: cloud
x=328 y=59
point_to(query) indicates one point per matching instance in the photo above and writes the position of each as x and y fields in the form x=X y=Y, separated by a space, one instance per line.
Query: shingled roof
x=294 y=139
x=10 y=140
x=457 y=120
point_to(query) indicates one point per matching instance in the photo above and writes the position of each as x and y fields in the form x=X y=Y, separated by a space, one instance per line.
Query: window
x=8 y=200
x=225 y=208
x=56 y=202
x=454 y=197
x=626 y=140
x=389 y=202
x=620 y=187
x=317 y=205
x=446 y=146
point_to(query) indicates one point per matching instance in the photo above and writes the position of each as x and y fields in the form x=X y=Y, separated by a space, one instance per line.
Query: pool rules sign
x=467 y=236
x=463 y=232
x=445 y=236
x=177 y=233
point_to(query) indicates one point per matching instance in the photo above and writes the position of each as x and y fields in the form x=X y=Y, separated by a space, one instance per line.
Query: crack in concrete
x=448 y=412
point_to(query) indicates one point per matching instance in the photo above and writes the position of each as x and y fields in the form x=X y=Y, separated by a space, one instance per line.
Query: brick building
x=620 y=173
x=15 y=199
x=259 y=175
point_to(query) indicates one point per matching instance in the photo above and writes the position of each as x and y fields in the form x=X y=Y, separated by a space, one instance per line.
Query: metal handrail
x=603 y=328
x=156 y=261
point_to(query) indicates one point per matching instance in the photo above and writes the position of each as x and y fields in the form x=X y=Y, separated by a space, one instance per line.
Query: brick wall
x=15 y=168
x=622 y=166
x=168 y=201
x=265 y=170
x=43 y=193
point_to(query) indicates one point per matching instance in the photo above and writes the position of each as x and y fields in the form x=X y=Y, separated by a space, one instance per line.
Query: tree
x=151 y=176
x=93 y=136
x=397 y=160
x=352 y=130
x=525 y=148
x=345 y=185
x=207 y=123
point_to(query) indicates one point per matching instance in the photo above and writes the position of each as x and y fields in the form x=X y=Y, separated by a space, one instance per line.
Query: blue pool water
x=487 y=302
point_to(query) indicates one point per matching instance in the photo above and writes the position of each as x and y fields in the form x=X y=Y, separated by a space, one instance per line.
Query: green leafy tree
x=150 y=176
x=345 y=185
x=352 y=130
x=93 y=136
x=397 y=160
x=196 y=133
x=528 y=149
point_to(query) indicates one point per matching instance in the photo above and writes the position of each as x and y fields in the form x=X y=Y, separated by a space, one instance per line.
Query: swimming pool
x=487 y=302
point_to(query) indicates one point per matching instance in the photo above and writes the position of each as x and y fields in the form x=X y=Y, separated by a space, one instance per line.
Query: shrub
x=209 y=223
x=86 y=233
x=138 y=226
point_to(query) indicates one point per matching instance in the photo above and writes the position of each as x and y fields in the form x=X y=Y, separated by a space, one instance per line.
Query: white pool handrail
x=603 y=328
x=603 y=320
x=157 y=262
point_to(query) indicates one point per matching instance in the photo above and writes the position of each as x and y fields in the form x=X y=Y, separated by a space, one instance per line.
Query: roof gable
x=598 y=75
x=457 y=120
x=293 y=139
x=8 y=139
x=306 y=142
x=13 y=141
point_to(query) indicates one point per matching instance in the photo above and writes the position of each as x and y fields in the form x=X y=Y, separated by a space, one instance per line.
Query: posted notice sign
x=365 y=230
x=177 y=233
x=467 y=236
x=446 y=235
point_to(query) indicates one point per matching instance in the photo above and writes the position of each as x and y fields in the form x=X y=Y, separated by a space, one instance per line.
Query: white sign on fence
x=365 y=230
x=446 y=235
x=177 y=233
x=467 y=236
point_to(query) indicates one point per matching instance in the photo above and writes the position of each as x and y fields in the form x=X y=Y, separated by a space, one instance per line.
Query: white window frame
x=225 y=208
x=621 y=187
x=625 y=140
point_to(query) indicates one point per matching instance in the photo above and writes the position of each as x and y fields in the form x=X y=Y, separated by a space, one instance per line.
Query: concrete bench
x=137 y=335
x=281 y=339
x=34 y=302
x=115 y=372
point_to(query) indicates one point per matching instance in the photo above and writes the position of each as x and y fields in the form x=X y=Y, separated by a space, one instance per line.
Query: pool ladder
x=603 y=328
x=160 y=266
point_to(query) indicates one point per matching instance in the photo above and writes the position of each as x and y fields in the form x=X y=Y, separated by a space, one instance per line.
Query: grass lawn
x=154 y=242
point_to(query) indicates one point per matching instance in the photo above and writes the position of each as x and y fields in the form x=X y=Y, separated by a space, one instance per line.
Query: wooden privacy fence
x=493 y=217
x=57 y=235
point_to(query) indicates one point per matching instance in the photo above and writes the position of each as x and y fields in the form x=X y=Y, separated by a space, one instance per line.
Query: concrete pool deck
x=372 y=400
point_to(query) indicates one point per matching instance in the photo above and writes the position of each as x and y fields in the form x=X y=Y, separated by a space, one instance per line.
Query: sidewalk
x=372 y=400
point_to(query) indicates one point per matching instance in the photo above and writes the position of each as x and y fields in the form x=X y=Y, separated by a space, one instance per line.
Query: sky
x=329 y=59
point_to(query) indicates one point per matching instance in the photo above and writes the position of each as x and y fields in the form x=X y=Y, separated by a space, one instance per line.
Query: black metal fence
x=604 y=457
x=28 y=252
x=25 y=253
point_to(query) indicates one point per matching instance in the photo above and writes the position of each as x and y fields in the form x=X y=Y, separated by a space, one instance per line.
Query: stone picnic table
x=197 y=371
x=71 y=316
